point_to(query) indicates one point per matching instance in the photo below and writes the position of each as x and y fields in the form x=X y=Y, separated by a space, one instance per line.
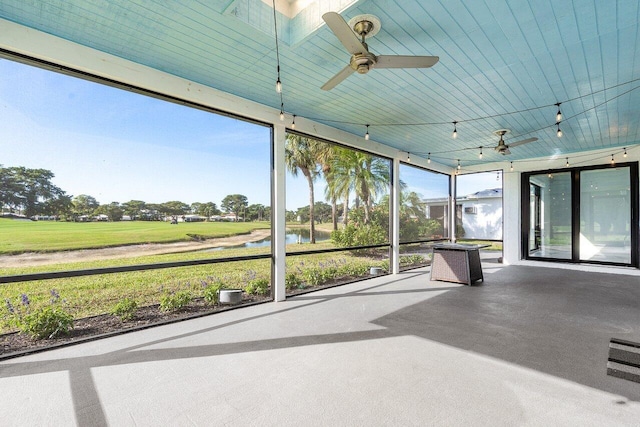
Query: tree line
x=30 y=192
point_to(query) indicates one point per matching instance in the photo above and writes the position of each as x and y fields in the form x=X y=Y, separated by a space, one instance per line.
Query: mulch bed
x=16 y=344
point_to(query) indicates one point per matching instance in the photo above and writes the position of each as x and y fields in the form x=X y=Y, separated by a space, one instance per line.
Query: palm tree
x=339 y=179
x=366 y=175
x=372 y=179
x=327 y=161
x=411 y=204
x=301 y=155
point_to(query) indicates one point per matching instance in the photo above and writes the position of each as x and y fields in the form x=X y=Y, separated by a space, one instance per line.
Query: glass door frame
x=575 y=213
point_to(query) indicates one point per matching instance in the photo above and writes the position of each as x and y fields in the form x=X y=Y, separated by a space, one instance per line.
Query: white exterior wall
x=511 y=218
x=486 y=222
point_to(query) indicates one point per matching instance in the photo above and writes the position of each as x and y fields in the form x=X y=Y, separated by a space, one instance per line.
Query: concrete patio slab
x=526 y=347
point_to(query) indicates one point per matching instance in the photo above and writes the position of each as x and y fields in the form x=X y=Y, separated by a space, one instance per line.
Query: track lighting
x=511 y=167
x=480 y=156
x=366 y=135
x=454 y=135
x=293 y=123
x=559 y=132
x=625 y=152
x=429 y=158
x=559 y=113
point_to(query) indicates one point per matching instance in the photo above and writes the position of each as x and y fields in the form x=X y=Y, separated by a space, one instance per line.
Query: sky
x=117 y=146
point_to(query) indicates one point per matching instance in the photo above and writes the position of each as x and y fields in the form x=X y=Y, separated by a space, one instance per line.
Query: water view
x=298 y=235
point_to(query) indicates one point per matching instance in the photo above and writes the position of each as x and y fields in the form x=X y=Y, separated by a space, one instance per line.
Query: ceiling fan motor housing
x=362 y=62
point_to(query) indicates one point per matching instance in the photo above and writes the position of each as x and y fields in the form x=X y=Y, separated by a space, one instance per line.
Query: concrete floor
x=528 y=346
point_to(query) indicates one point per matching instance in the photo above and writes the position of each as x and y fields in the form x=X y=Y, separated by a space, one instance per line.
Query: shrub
x=363 y=235
x=48 y=322
x=175 y=301
x=313 y=276
x=125 y=309
x=42 y=323
x=292 y=281
x=356 y=270
x=212 y=293
x=412 y=259
x=257 y=287
x=431 y=228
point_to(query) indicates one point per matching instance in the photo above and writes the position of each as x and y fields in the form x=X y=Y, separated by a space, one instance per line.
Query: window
x=337 y=213
x=582 y=215
x=98 y=178
x=479 y=206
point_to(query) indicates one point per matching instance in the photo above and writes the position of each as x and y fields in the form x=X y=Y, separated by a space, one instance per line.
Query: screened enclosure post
x=394 y=262
x=451 y=218
x=278 y=216
x=511 y=202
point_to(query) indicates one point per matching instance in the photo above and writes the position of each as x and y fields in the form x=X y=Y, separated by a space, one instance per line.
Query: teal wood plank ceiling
x=496 y=57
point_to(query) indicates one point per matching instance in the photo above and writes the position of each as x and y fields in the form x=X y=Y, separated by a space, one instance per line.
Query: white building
x=479 y=213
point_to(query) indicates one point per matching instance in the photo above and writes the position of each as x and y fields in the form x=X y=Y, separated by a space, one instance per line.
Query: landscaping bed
x=101 y=326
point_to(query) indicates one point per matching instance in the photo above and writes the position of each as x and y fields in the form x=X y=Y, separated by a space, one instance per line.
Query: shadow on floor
x=554 y=321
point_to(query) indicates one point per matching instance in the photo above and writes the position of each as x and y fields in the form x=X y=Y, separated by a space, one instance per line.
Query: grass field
x=48 y=236
x=91 y=295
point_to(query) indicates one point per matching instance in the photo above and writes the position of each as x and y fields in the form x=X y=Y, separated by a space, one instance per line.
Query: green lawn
x=91 y=295
x=48 y=236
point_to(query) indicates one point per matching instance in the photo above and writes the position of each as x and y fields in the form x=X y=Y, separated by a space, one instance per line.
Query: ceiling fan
x=503 y=148
x=361 y=59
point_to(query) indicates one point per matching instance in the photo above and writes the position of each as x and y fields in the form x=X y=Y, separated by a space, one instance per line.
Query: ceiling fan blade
x=405 y=61
x=344 y=33
x=338 y=78
x=524 y=141
x=505 y=151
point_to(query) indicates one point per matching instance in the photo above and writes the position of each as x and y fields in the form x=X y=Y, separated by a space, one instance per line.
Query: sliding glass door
x=550 y=216
x=605 y=215
x=581 y=215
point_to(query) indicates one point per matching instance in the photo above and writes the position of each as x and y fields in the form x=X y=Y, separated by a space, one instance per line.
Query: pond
x=298 y=235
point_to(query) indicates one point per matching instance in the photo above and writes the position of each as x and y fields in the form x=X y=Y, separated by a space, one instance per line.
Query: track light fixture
x=293 y=123
x=366 y=135
x=559 y=113
x=559 y=131
x=454 y=135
